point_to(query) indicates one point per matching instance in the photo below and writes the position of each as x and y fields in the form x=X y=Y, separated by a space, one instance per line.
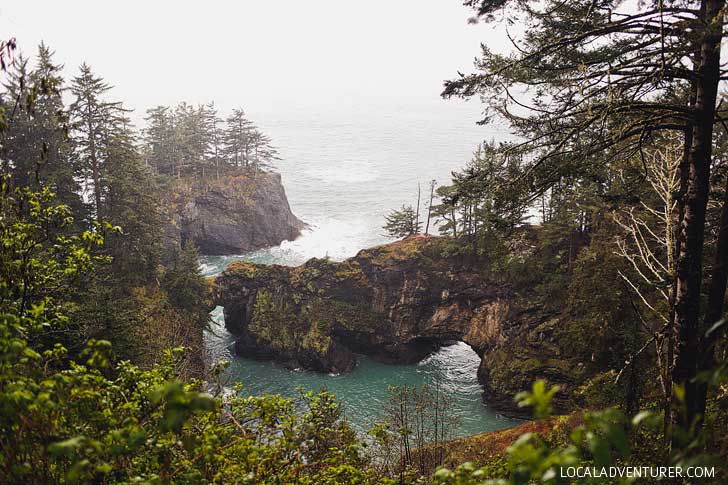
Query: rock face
x=395 y=303
x=235 y=215
x=530 y=351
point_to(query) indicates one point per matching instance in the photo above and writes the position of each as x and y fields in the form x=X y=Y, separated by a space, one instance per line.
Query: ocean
x=344 y=167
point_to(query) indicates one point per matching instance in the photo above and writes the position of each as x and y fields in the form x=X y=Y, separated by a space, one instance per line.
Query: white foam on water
x=342 y=174
x=208 y=269
x=326 y=237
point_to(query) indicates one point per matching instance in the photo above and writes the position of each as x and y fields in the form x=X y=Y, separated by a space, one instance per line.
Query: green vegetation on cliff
x=589 y=257
x=396 y=302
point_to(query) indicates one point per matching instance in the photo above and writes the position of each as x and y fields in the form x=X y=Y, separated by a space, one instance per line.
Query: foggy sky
x=260 y=54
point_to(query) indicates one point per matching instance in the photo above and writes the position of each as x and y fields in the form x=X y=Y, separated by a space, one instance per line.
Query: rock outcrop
x=234 y=215
x=395 y=303
x=531 y=351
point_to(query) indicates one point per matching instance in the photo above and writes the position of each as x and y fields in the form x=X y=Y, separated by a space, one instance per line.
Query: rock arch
x=396 y=303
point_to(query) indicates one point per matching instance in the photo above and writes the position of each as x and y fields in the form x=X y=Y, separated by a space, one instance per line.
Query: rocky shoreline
x=395 y=303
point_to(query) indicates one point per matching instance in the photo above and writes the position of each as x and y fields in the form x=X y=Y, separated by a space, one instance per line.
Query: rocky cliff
x=395 y=303
x=231 y=216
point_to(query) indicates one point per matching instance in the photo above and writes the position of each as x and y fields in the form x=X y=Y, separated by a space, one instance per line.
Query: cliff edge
x=233 y=215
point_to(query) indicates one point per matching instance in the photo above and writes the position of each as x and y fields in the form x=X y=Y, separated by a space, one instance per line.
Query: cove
x=342 y=172
x=363 y=391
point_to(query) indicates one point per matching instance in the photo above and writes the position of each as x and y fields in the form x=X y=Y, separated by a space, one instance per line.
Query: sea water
x=343 y=168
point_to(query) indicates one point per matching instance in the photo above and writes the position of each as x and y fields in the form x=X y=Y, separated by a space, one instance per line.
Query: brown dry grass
x=486 y=447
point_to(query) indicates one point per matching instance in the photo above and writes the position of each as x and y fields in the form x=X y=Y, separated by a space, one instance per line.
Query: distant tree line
x=193 y=141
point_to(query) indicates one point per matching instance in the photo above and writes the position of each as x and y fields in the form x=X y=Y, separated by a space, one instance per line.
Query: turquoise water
x=343 y=171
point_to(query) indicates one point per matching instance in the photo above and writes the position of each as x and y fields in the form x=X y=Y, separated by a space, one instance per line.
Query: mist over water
x=343 y=170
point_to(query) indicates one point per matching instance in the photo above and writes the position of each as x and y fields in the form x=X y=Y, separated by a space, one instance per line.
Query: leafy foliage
x=89 y=418
x=606 y=439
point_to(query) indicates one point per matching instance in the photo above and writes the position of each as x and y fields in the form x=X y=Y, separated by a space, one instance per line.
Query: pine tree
x=185 y=285
x=36 y=151
x=446 y=210
x=602 y=78
x=215 y=145
x=237 y=139
x=401 y=223
x=158 y=139
x=189 y=141
x=52 y=120
x=93 y=122
x=264 y=154
x=185 y=150
x=131 y=203
x=22 y=151
x=210 y=140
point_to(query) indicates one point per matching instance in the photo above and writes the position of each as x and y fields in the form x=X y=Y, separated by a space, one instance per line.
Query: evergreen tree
x=158 y=140
x=51 y=119
x=215 y=145
x=264 y=154
x=189 y=141
x=481 y=199
x=22 y=151
x=131 y=203
x=185 y=285
x=401 y=223
x=601 y=78
x=93 y=122
x=35 y=151
x=185 y=149
x=446 y=211
x=238 y=139
x=211 y=142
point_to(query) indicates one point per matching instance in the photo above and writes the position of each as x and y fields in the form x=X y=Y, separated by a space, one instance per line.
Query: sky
x=260 y=54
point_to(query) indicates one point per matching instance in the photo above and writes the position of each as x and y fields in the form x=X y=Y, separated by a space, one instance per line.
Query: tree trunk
x=97 y=186
x=714 y=311
x=417 y=215
x=689 y=264
x=217 y=160
x=429 y=207
x=676 y=248
x=454 y=222
x=95 y=171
